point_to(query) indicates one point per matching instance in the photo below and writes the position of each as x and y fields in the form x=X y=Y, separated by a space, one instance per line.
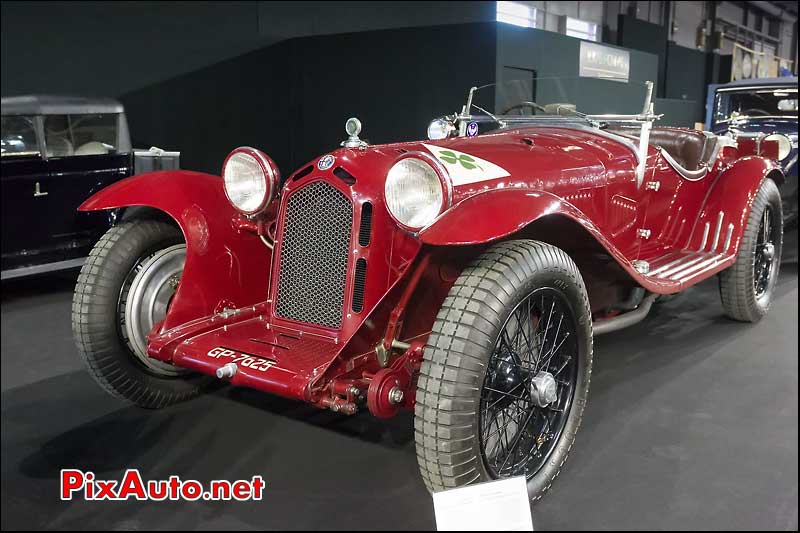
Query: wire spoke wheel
x=529 y=385
x=505 y=374
x=747 y=286
x=764 y=254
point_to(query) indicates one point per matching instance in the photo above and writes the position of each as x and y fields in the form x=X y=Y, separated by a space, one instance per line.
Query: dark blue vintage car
x=56 y=152
x=760 y=109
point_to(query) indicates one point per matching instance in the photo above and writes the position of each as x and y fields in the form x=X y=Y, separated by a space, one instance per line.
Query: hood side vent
x=359 y=280
x=344 y=175
x=303 y=173
x=365 y=228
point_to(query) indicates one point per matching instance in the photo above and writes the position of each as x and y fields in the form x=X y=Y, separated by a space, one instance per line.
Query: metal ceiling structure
x=788 y=6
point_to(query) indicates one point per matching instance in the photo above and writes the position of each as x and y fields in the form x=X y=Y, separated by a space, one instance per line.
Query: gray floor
x=691 y=423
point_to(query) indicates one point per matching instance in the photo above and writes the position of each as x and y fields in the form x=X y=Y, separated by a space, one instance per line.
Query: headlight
x=784 y=144
x=251 y=179
x=440 y=129
x=417 y=190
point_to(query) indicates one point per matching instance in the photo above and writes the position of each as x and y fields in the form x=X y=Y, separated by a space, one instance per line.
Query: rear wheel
x=125 y=288
x=506 y=372
x=746 y=287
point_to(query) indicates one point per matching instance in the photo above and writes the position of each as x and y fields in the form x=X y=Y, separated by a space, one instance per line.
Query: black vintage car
x=56 y=152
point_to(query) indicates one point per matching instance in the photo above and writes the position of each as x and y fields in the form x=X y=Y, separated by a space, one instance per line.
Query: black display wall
x=553 y=55
x=110 y=48
x=292 y=99
x=686 y=79
x=647 y=37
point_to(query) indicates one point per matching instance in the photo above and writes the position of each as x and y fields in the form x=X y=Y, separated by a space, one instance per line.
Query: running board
x=684 y=265
x=688 y=266
x=42 y=269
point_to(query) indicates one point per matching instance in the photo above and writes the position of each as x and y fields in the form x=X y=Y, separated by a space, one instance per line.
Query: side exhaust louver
x=359 y=280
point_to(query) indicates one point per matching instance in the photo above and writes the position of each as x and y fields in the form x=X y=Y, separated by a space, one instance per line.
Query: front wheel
x=746 y=287
x=125 y=288
x=505 y=375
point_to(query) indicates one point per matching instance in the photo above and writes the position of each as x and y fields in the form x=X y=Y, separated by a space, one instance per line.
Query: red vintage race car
x=462 y=277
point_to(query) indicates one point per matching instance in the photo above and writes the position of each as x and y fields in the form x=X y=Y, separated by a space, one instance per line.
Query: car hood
x=542 y=158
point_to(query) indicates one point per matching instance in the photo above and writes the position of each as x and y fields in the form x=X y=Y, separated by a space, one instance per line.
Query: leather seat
x=690 y=149
x=687 y=147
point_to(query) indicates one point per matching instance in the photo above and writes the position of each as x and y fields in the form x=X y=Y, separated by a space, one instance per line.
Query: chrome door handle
x=38 y=191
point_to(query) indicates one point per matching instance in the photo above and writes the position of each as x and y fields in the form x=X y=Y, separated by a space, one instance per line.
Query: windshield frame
x=644 y=119
x=749 y=90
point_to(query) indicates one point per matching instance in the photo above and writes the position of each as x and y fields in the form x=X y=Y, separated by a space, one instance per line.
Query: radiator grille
x=314 y=252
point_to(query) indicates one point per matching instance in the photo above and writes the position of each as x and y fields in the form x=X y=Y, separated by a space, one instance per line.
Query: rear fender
x=225 y=267
x=729 y=200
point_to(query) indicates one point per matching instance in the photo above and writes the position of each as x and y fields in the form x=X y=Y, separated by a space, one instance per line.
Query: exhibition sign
x=598 y=61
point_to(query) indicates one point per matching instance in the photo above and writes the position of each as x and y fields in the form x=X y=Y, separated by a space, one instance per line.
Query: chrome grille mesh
x=314 y=251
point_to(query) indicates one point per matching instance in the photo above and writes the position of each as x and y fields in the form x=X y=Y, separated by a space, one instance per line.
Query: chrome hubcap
x=148 y=298
x=769 y=251
x=543 y=389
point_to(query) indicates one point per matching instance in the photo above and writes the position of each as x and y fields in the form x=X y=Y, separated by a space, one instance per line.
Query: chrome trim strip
x=668 y=265
x=728 y=238
x=680 y=268
x=776 y=87
x=98 y=171
x=716 y=231
x=721 y=259
x=701 y=267
x=41 y=269
x=691 y=175
x=705 y=237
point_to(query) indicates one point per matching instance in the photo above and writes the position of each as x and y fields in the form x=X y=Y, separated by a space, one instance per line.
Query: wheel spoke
x=566 y=361
x=551 y=354
x=517 y=435
x=506 y=394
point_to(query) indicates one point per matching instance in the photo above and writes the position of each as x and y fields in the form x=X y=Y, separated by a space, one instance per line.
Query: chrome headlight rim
x=783 y=140
x=270 y=175
x=444 y=181
x=446 y=125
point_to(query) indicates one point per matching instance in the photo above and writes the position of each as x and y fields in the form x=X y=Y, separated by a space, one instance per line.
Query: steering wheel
x=524 y=104
x=755 y=111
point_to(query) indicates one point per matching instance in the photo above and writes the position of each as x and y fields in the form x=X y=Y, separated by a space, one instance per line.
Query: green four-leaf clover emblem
x=466 y=161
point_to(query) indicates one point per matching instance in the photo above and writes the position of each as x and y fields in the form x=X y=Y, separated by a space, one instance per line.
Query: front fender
x=224 y=267
x=496 y=214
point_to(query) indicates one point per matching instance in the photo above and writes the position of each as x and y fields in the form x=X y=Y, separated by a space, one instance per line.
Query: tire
x=741 y=299
x=461 y=358
x=98 y=323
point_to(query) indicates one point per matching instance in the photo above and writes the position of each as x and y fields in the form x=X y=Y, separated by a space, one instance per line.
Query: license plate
x=253 y=362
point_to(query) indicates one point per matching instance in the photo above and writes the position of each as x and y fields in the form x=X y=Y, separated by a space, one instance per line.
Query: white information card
x=494 y=506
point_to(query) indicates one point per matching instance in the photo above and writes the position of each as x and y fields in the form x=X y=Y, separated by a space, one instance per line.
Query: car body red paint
x=572 y=186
